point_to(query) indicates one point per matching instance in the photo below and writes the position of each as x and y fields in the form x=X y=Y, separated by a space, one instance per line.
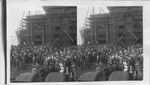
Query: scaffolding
x=91 y=24
x=63 y=34
x=131 y=19
x=125 y=38
x=60 y=41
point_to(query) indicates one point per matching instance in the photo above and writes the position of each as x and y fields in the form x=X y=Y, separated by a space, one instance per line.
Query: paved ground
x=90 y=68
x=15 y=72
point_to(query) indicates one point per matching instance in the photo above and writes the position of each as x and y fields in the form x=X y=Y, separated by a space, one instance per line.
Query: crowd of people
x=107 y=58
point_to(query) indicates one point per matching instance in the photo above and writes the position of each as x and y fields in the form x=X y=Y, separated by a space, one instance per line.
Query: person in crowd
x=112 y=57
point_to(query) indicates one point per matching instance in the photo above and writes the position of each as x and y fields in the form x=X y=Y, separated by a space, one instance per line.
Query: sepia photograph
x=74 y=42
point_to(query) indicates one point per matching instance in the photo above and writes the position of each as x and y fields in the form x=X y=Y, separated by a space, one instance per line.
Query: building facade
x=57 y=27
x=122 y=25
x=99 y=24
x=126 y=25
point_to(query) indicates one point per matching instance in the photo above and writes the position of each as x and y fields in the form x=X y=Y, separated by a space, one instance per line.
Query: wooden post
x=43 y=28
x=31 y=33
x=108 y=30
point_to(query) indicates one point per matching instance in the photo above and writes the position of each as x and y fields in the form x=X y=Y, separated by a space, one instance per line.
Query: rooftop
x=35 y=17
x=112 y=8
x=49 y=9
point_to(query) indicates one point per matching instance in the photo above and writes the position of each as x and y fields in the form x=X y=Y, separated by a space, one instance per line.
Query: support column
x=31 y=33
x=43 y=32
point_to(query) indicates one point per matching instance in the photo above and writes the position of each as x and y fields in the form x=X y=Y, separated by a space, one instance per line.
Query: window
x=100 y=27
x=57 y=28
x=121 y=27
x=138 y=34
x=137 y=28
x=37 y=37
x=102 y=41
x=38 y=42
x=56 y=36
x=120 y=34
x=73 y=35
x=73 y=22
x=72 y=27
x=102 y=36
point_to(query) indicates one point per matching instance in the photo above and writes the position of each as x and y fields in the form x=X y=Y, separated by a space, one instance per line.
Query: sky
x=16 y=9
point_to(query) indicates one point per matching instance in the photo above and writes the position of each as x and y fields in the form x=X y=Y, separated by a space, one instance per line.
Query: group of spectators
x=107 y=58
